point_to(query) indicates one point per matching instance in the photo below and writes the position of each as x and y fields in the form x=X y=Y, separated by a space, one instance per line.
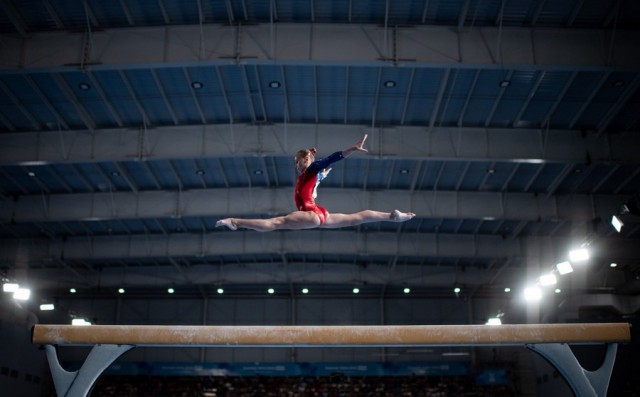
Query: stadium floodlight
x=579 y=255
x=617 y=223
x=564 y=268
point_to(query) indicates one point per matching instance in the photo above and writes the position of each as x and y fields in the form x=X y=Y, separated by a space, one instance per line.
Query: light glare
x=548 y=279
x=564 y=268
x=80 y=322
x=579 y=255
x=494 y=321
x=22 y=294
x=532 y=294
x=10 y=287
x=47 y=306
x=616 y=223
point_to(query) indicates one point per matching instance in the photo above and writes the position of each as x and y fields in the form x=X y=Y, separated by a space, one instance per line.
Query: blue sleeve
x=321 y=164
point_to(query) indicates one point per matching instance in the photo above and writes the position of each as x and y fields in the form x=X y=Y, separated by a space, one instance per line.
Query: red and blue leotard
x=303 y=195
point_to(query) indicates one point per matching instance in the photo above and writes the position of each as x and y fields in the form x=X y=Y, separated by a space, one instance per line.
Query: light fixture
x=407 y=290
x=507 y=290
x=494 y=321
x=564 y=268
x=84 y=86
x=80 y=322
x=456 y=290
x=274 y=84
x=532 y=294
x=22 y=294
x=305 y=290
x=548 y=279
x=31 y=173
x=558 y=290
x=271 y=291
x=10 y=287
x=47 y=306
x=613 y=264
x=579 y=255
x=356 y=290
x=197 y=85
x=121 y=290
x=617 y=223
x=171 y=290
x=220 y=291
x=72 y=290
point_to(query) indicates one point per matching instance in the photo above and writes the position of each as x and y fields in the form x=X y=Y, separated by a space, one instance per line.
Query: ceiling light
x=171 y=290
x=407 y=290
x=220 y=291
x=197 y=85
x=494 y=321
x=271 y=290
x=548 y=279
x=121 y=290
x=47 y=306
x=31 y=173
x=613 y=265
x=84 y=86
x=10 y=287
x=504 y=83
x=579 y=255
x=356 y=290
x=80 y=322
x=22 y=294
x=564 y=268
x=389 y=83
x=72 y=290
x=305 y=290
x=617 y=223
x=274 y=84
x=558 y=290
x=507 y=290
x=457 y=290
x=532 y=294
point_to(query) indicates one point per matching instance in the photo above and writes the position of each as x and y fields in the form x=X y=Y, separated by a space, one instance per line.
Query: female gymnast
x=309 y=215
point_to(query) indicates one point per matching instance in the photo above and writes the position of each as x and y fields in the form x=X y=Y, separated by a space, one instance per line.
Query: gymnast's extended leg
x=335 y=221
x=294 y=221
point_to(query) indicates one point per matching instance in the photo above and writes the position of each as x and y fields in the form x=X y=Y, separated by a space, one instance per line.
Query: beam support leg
x=583 y=383
x=79 y=383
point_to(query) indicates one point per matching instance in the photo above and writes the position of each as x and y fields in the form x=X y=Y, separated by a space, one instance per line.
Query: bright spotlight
x=22 y=294
x=494 y=321
x=356 y=290
x=579 y=255
x=220 y=291
x=80 y=321
x=47 y=306
x=564 y=268
x=10 y=287
x=532 y=294
x=616 y=223
x=548 y=279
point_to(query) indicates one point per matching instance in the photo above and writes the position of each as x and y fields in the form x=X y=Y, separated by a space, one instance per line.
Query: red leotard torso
x=303 y=195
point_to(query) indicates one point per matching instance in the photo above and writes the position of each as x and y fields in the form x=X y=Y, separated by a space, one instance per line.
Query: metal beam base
x=583 y=383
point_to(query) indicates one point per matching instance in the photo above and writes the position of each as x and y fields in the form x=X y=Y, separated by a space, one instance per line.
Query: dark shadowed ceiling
x=128 y=128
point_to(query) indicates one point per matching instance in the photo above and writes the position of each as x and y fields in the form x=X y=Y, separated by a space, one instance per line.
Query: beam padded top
x=388 y=335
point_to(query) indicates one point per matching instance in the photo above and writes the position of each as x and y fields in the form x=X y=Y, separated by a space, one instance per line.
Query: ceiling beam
x=237 y=140
x=242 y=202
x=420 y=46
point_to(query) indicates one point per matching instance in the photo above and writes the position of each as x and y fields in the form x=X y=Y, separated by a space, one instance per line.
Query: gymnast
x=309 y=215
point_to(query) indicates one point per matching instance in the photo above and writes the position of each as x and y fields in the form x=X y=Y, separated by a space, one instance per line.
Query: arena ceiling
x=128 y=128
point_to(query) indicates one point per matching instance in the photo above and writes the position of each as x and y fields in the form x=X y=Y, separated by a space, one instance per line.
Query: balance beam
x=549 y=340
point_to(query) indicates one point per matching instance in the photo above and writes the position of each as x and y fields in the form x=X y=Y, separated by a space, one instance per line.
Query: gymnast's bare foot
x=228 y=223
x=397 y=216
